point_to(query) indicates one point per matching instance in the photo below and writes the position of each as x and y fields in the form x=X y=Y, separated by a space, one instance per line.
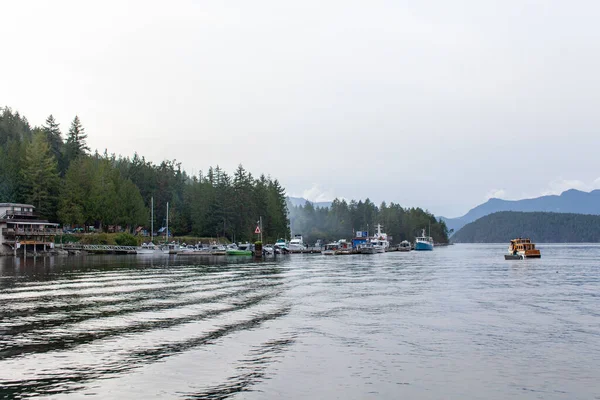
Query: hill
x=541 y=227
x=570 y=201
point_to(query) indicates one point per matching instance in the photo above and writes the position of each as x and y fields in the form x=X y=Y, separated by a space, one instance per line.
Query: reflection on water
x=459 y=322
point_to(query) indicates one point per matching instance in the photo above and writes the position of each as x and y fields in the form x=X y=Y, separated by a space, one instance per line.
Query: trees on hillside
x=343 y=219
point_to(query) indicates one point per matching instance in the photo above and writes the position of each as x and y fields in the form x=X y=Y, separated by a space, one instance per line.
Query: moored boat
x=243 y=249
x=297 y=244
x=366 y=248
x=520 y=248
x=424 y=242
x=404 y=246
x=331 y=249
x=380 y=241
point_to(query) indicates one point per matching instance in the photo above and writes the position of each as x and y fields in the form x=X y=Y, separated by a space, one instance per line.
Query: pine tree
x=54 y=139
x=76 y=141
x=40 y=176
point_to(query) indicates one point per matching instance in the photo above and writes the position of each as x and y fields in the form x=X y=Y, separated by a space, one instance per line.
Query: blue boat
x=424 y=242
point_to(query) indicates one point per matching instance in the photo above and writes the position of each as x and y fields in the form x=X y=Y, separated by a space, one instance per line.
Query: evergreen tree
x=54 y=139
x=76 y=141
x=40 y=176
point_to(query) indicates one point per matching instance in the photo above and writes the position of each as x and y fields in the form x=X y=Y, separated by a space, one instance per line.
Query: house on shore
x=22 y=232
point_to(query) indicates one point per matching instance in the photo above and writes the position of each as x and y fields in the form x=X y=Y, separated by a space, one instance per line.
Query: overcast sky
x=439 y=104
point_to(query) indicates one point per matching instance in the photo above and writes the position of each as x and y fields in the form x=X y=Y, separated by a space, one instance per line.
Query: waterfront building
x=21 y=231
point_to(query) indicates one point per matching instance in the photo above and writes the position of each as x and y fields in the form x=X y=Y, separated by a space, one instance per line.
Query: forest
x=69 y=184
x=541 y=227
x=343 y=219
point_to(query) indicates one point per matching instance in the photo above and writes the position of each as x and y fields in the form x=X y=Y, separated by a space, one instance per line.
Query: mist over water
x=456 y=323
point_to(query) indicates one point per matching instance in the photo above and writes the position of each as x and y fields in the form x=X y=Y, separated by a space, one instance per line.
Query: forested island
x=69 y=184
x=541 y=227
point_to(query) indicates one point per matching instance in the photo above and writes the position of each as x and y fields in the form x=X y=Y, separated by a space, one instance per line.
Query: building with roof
x=22 y=232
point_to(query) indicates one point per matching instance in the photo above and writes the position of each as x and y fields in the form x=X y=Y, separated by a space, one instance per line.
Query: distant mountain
x=571 y=201
x=299 y=201
x=541 y=227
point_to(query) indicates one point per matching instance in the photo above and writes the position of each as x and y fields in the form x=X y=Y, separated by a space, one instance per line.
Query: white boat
x=331 y=249
x=424 y=242
x=404 y=246
x=380 y=241
x=268 y=249
x=297 y=244
x=171 y=248
x=281 y=246
x=217 y=249
x=148 y=248
x=366 y=248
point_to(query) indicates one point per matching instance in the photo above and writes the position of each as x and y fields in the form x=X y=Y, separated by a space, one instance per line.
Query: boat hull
x=238 y=252
x=423 y=246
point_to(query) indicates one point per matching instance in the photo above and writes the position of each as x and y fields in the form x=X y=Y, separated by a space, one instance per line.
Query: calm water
x=456 y=323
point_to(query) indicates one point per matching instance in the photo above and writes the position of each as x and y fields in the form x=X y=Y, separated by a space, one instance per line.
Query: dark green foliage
x=76 y=144
x=125 y=239
x=342 y=219
x=541 y=227
x=103 y=191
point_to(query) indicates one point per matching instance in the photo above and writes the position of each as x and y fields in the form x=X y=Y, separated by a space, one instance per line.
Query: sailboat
x=149 y=248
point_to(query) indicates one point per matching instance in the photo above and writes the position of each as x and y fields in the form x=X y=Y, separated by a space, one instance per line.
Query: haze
x=434 y=104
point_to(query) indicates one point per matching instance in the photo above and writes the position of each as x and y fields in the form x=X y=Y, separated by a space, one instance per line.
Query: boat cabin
x=523 y=246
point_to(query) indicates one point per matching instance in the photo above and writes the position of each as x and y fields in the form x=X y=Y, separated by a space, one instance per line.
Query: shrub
x=125 y=239
x=96 y=238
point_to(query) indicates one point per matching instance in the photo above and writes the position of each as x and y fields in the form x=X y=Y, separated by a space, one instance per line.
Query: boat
x=296 y=244
x=380 y=240
x=268 y=249
x=404 y=246
x=217 y=249
x=520 y=248
x=243 y=249
x=424 y=242
x=331 y=249
x=366 y=248
x=148 y=248
x=281 y=247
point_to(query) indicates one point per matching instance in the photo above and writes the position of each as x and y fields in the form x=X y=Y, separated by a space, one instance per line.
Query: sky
x=434 y=104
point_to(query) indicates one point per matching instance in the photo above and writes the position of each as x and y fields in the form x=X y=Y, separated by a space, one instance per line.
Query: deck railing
x=30 y=232
x=16 y=213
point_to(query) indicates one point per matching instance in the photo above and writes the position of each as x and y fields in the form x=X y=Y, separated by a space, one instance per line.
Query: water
x=455 y=323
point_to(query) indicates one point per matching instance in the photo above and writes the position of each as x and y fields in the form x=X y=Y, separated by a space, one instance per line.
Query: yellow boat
x=520 y=248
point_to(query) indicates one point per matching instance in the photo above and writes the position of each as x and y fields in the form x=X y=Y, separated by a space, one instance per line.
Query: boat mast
x=151 y=219
x=167 y=223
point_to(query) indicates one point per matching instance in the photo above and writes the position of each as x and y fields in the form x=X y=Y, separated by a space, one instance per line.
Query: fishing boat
x=520 y=248
x=424 y=242
x=404 y=246
x=243 y=249
x=380 y=240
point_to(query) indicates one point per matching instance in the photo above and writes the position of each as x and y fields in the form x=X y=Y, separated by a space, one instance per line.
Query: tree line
x=70 y=185
x=342 y=219
x=541 y=227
